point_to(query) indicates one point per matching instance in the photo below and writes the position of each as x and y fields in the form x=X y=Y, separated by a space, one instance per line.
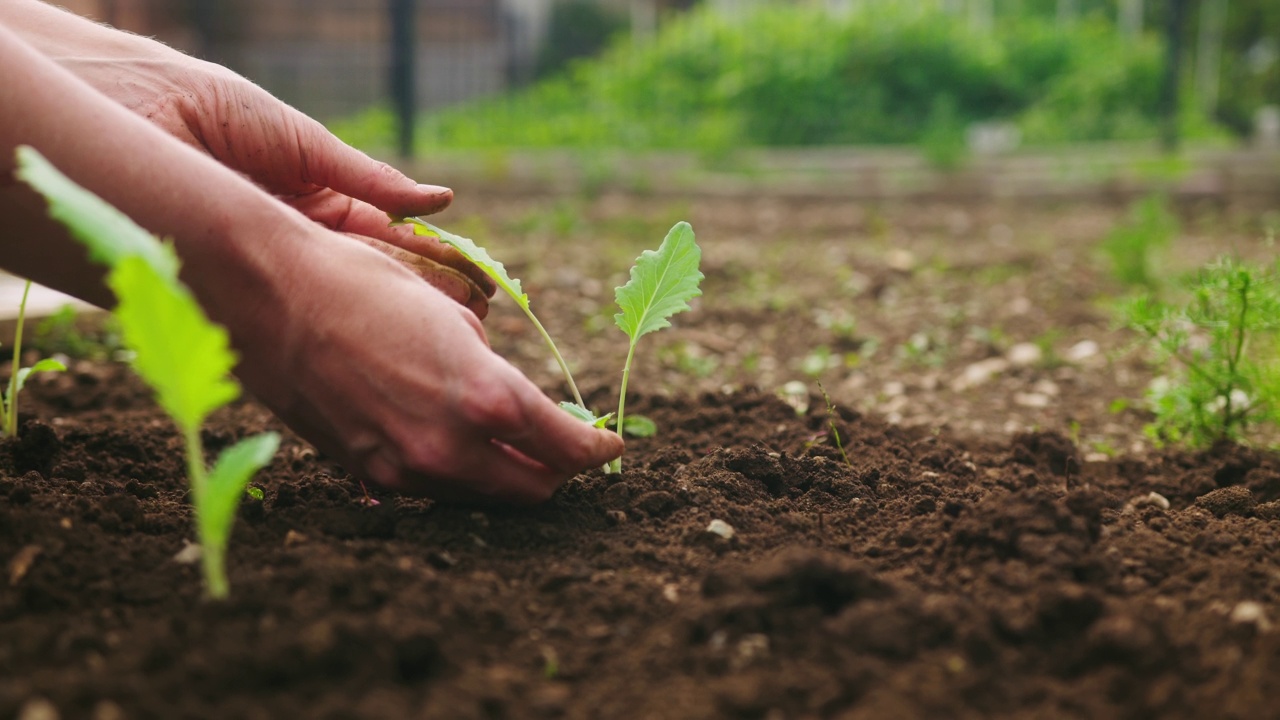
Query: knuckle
x=494 y=406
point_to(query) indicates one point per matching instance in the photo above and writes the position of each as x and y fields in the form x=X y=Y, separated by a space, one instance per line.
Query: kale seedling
x=1217 y=354
x=185 y=358
x=662 y=284
x=18 y=379
x=510 y=285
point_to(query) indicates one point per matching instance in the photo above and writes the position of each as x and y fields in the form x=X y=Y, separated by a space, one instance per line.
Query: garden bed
x=991 y=547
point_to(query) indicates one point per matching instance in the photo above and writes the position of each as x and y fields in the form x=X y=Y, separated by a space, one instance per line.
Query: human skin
x=356 y=353
x=243 y=127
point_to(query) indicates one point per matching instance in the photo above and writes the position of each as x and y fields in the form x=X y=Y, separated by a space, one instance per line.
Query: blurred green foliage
x=1216 y=354
x=576 y=29
x=787 y=75
x=1132 y=244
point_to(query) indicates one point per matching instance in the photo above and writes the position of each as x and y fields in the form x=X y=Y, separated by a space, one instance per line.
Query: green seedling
x=831 y=423
x=509 y=285
x=18 y=379
x=185 y=358
x=1216 y=355
x=662 y=284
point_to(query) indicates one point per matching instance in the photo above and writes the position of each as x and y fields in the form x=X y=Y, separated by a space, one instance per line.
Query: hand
x=288 y=154
x=409 y=396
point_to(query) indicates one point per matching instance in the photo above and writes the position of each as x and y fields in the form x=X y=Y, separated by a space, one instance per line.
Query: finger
x=550 y=436
x=345 y=214
x=460 y=288
x=328 y=162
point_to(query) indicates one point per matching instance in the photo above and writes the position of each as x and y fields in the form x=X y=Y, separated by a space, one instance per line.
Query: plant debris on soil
x=737 y=568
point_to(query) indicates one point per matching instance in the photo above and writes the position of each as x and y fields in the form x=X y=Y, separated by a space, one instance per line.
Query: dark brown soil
x=947 y=569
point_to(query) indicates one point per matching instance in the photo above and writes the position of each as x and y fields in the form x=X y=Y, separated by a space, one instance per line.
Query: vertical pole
x=1213 y=18
x=403 y=96
x=1174 y=30
x=1130 y=18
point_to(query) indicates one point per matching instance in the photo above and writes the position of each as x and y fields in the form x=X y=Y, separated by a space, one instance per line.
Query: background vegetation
x=889 y=73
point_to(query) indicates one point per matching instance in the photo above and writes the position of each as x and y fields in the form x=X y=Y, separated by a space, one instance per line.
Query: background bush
x=780 y=76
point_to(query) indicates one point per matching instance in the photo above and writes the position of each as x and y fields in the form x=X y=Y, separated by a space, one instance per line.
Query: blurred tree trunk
x=1131 y=18
x=1213 y=19
x=1175 y=28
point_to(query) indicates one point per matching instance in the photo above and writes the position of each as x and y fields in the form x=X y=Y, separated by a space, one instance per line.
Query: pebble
x=1251 y=613
x=1031 y=400
x=979 y=373
x=721 y=528
x=1024 y=354
x=189 y=554
x=1152 y=498
x=1082 y=351
x=38 y=709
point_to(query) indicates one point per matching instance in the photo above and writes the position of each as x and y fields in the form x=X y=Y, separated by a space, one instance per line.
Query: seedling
x=185 y=358
x=662 y=284
x=831 y=423
x=1216 y=355
x=18 y=378
x=510 y=285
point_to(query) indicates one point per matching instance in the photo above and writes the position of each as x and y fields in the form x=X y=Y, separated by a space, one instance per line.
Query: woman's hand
x=248 y=130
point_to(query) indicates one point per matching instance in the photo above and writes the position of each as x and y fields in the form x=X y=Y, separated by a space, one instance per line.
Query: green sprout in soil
x=662 y=283
x=18 y=378
x=1216 y=355
x=158 y=315
x=831 y=423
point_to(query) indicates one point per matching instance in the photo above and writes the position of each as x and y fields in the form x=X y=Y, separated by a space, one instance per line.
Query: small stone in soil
x=721 y=529
x=1251 y=613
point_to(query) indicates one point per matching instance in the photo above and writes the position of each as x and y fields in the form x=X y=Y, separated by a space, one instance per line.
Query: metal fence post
x=403 y=65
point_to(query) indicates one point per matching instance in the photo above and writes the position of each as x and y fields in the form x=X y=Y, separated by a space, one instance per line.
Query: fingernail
x=434 y=190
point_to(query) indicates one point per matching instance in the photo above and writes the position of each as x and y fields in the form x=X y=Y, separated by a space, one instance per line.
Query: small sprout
x=18 y=379
x=662 y=284
x=157 y=314
x=255 y=493
x=831 y=422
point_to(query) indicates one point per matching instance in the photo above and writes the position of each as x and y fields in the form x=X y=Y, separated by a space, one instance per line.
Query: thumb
x=329 y=162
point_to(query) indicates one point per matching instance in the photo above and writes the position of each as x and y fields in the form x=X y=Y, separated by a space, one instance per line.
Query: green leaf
x=661 y=285
x=475 y=254
x=585 y=415
x=225 y=485
x=180 y=353
x=108 y=233
x=45 y=365
x=639 y=426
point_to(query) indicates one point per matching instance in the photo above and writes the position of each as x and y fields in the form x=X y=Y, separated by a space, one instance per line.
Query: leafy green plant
x=662 y=284
x=1216 y=354
x=1132 y=244
x=18 y=378
x=185 y=358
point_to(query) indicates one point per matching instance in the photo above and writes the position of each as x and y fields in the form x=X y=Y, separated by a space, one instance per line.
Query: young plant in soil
x=183 y=356
x=662 y=283
x=1216 y=354
x=18 y=378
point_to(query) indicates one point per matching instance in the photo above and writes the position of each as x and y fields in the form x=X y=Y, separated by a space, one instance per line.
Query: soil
x=939 y=543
